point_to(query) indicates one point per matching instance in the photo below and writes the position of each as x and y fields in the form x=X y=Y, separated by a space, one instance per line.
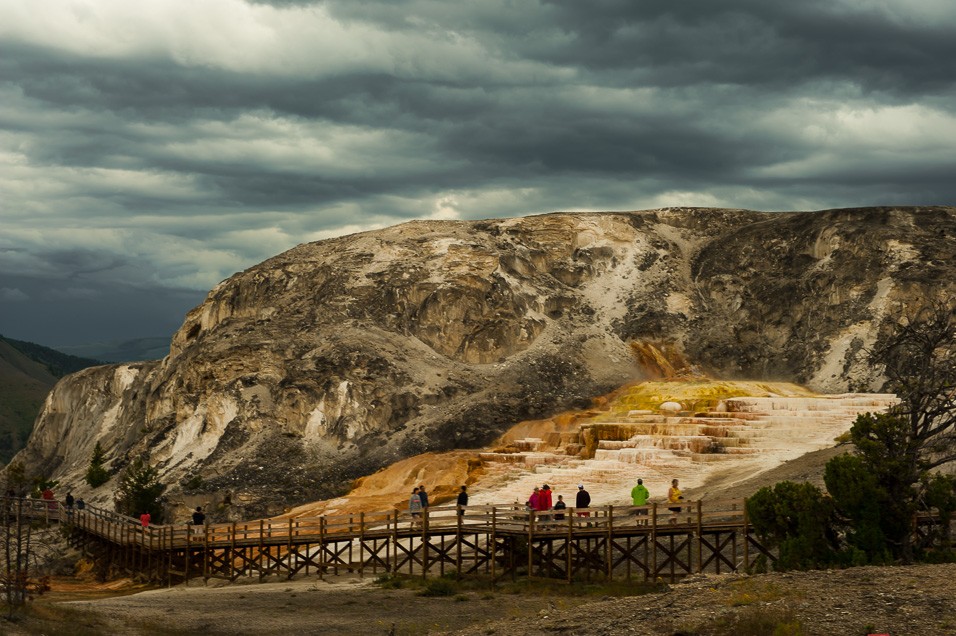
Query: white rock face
x=335 y=358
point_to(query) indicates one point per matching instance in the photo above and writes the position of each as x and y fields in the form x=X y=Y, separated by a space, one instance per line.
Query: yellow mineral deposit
x=693 y=429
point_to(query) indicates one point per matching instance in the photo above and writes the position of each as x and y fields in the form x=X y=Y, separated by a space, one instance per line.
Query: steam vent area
x=712 y=433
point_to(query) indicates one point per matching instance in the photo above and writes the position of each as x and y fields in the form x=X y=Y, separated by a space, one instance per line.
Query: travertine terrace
x=728 y=440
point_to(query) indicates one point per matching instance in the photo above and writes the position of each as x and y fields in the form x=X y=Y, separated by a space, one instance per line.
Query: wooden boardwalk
x=601 y=543
x=499 y=541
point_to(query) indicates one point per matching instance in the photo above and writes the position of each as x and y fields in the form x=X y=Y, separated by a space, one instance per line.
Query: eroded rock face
x=335 y=358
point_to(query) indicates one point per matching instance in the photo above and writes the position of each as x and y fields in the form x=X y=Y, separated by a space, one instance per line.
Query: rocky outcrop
x=336 y=358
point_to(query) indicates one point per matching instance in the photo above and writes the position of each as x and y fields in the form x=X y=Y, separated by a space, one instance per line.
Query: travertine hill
x=339 y=357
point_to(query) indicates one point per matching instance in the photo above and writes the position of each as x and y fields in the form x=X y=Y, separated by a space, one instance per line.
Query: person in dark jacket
x=462 y=500
x=582 y=501
x=199 y=518
x=423 y=496
x=560 y=505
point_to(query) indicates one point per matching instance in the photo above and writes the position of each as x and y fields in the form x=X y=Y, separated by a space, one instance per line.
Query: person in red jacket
x=144 y=519
x=545 y=502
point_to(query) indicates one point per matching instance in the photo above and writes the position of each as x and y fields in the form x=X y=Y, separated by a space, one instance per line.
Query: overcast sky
x=150 y=149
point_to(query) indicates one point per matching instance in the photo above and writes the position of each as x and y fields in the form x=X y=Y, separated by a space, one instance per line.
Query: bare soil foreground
x=910 y=600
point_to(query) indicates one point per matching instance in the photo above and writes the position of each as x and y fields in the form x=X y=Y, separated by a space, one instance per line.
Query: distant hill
x=27 y=373
x=124 y=350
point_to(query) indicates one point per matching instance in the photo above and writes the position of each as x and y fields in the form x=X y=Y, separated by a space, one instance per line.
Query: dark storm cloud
x=757 y=42
x=166 y=147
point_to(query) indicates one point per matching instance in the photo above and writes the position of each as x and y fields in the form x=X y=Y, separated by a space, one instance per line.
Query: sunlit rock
x=337 y=358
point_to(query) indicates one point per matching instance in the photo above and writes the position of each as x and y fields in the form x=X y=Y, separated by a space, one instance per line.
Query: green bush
x=438 y=587
x=798 y=520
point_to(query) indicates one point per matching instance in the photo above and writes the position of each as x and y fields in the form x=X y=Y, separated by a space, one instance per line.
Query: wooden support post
x=142 y=545
x=459 y=518
x=351 y=534
x=321 y=547
x=262 y=529
x=493 y=548
x=232 y=552
x=746 y=539
x=169 y=555
x=188 y=555
x=361 y=545
x=734 y=543
x=567 y=547
x=627 y=562
x=654 y=539
x=672 y=557
x=205 y=553
x=425 y=521
x=394 y=569
x=699 y=537
x=289 y=555
x=608 y=541
x=530 y=543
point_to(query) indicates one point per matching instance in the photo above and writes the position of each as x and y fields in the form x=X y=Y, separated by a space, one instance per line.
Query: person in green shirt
x=639 y=495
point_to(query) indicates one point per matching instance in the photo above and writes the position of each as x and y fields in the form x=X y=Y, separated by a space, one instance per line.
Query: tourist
x=462 y=500
x=423 y=496
x=80 y=504
x=560 y=505
x=582 y=501
x=415 y=508
x=639 y=496
x=545 y=501
x=534 y=499
x=199 y=517
x=50 y=499
x=674 y=496
x=144 y=519
x=69 y=505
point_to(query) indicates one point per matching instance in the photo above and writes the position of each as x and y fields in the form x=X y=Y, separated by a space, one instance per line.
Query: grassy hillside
x=27 y=373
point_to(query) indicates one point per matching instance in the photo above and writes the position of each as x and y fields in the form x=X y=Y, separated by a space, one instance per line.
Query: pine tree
x=96 y=474
x=139 y=490
x=880 y=487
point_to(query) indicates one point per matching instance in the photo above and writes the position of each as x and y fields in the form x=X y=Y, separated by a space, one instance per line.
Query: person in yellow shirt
x=674 y=496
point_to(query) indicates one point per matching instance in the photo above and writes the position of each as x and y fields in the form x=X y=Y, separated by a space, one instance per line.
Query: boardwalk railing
x=608 y=542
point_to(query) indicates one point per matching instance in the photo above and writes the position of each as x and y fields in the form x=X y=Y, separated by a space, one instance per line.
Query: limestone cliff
x=336 y=358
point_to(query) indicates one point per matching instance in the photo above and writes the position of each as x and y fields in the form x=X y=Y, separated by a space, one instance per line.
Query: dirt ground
x=901 y=601
x=341 y=605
